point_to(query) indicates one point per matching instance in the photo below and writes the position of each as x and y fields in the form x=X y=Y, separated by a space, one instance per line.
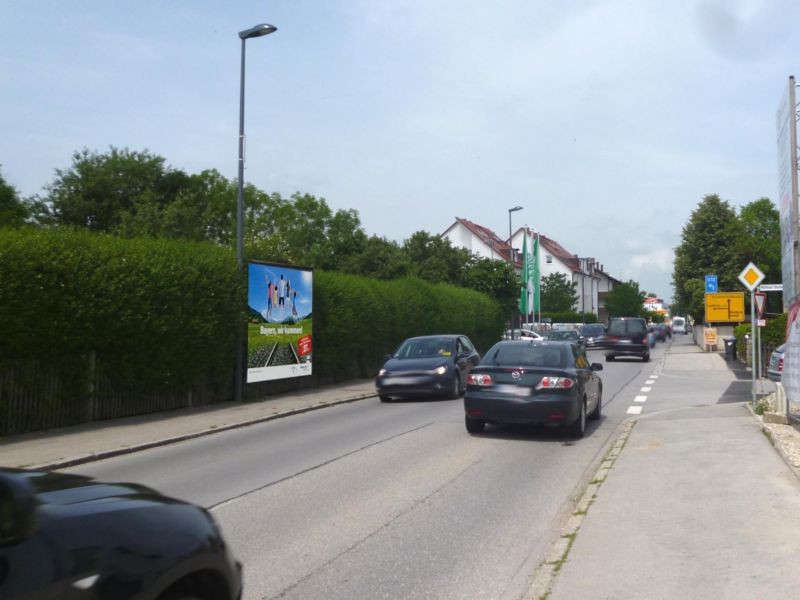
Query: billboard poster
x=279 y=322
x=787 y=188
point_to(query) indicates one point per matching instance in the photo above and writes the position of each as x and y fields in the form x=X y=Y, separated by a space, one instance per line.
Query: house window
x=548 y=259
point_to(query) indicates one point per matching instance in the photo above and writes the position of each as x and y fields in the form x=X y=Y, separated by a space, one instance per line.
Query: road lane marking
x=640 y=399
x=649 y=382
x=634 y=410
x=646 y=389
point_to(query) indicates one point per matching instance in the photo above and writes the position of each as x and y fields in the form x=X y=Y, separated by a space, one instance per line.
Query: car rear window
x=519 y=355
x=627 y=327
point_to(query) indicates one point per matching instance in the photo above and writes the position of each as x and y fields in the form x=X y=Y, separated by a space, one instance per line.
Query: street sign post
x=750 y=277
x=761 y=301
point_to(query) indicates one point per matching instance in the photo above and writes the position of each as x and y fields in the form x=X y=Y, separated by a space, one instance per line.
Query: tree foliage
x=716 y=240
x=558 y=294
x=626 y=300
x=13 y=210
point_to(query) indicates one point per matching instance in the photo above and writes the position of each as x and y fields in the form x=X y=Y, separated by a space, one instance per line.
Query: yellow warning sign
x=725 y=307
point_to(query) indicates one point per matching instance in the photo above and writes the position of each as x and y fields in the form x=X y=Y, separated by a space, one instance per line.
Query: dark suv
x=627 y=336
x=69 y=536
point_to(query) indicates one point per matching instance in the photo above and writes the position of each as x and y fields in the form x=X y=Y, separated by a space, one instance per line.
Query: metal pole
x=511 y=258
x=239 y=371
x=753 y=345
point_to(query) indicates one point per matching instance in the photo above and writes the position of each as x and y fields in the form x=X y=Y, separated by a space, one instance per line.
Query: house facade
x=592 y=282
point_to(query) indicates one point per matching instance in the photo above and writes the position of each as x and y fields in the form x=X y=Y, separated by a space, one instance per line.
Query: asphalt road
x=372 y=500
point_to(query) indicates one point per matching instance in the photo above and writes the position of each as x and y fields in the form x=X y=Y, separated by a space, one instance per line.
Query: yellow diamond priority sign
x=751 y=277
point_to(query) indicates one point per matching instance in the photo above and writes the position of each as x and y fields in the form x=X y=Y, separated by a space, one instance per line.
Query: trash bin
x=730 y=348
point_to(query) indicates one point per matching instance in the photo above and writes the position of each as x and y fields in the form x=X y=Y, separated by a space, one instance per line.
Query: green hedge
x=156 y=313
x=161 y=315
x=357 y=320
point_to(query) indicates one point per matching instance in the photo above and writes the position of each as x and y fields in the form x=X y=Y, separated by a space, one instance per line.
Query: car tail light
x=555 y=383
x=479 y=379
x=780 y=364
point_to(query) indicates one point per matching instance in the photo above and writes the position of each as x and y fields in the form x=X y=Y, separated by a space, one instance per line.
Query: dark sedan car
x=431 y=365
x=534 y=382
x=69 y=536
x=565 y=335
x=594 y=334
x=627 y=336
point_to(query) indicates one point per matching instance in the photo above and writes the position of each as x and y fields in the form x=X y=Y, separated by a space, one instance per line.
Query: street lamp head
x=257 y=31
x=515 y=209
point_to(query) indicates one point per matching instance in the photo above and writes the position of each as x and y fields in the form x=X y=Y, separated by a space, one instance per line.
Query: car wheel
x=646 y=357
x=598 y=410
x=384 y=398
x=474 y=425
x=578 y=428
x=455 y=387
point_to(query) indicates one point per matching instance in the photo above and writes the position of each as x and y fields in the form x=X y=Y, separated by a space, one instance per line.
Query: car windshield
x=626 y=327
x=425 y=348
x=523 y=355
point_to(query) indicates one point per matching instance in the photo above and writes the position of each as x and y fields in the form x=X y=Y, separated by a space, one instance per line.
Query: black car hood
x=399 y=365
x=65 y=488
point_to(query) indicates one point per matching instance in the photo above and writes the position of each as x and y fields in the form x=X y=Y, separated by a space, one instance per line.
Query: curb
x=95 y=456
x=542 y=580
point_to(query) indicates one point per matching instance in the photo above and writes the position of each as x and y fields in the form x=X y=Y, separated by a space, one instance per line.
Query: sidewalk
x=693 y=502
x=60 y=448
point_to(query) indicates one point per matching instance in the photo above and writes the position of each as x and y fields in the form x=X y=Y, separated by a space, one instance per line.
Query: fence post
x=91 y=404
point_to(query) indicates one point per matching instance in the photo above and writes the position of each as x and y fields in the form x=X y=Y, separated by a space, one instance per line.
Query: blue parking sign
x=711 y=284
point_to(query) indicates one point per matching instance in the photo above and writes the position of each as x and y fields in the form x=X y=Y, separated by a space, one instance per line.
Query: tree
x=759 y=242
x=625 y=300
x=707 y=247
x=433 y=258
x=494 y=278
x=558 y=294
x=120 y=191
x=12 y=210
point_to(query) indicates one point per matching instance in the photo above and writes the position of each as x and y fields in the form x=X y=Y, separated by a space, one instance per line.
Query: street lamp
x=253 y=32
x=511 y=258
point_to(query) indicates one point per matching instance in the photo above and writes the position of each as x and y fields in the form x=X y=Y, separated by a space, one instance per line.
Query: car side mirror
x=17 y=509
x=597 y=366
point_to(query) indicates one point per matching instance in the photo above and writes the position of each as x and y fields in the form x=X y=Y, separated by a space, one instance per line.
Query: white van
x=678 y=325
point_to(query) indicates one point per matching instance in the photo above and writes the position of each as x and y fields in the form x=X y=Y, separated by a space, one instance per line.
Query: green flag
x=535 y=276
x=525 y=295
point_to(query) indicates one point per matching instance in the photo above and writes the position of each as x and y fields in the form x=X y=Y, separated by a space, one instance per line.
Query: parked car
x=520 y=334
x=565 y=335
x=431 y=365
x=627 y=336
x=775 y=367
x=70 y=536
x=594 y=335
x=534 y=382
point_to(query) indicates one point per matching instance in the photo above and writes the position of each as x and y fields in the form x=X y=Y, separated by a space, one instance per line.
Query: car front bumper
x=400 y=385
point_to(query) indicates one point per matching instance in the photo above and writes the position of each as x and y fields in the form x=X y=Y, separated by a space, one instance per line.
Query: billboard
x=787 y=188
x=279 y=321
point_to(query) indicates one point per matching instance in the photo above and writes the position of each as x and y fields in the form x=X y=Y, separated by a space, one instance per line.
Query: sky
x=608 y=121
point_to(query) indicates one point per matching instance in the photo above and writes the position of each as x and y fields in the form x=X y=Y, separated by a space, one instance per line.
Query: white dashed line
x=646 y=389
x=634 y=410
x=649 y=382
x=640 y=399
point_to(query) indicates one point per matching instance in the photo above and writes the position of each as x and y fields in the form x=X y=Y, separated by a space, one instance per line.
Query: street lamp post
x=253 y=32
x=511 y=260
